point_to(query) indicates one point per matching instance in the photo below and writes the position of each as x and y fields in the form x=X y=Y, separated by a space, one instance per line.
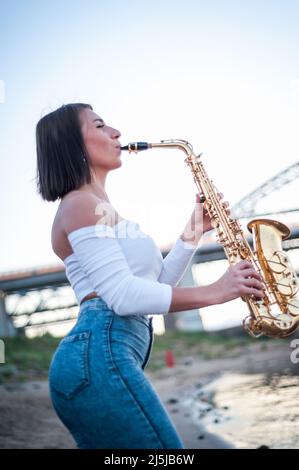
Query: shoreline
x=236 y=389
x=226 y=398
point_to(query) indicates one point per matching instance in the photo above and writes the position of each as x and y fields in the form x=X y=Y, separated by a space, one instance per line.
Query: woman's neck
x=97 y=189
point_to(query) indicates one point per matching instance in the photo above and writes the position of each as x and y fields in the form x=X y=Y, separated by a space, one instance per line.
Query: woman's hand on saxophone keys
x=238 y=281
x=200 y=221
x=206 y=220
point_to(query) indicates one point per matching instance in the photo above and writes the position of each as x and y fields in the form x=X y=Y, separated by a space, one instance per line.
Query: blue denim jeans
x=98 y=386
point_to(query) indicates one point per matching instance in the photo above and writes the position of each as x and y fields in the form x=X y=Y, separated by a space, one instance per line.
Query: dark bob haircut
x=60 y=149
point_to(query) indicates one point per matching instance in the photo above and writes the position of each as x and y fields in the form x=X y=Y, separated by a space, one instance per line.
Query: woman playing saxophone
x=97 y=381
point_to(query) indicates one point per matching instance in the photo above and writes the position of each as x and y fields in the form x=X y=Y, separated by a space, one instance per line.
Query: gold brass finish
x=277 y=314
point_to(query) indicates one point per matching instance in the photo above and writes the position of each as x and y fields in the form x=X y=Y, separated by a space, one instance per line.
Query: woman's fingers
x=255 y=292
x=252 y=282
x=244 y=264
x=250 y=272
x=200 y=198
x=225 y=205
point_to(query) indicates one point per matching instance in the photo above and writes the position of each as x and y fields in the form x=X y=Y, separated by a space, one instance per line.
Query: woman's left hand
x=200 y=211
x=200 y=221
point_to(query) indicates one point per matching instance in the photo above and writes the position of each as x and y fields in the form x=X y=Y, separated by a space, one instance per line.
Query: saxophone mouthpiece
x=136 y=146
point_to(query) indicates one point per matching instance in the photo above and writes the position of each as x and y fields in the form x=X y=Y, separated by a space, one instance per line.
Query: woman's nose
x=115 y=133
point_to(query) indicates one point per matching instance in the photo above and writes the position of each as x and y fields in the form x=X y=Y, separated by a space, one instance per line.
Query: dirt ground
x=223 y=402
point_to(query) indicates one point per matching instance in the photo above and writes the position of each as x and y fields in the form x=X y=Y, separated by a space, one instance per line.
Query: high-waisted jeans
x=98 y=386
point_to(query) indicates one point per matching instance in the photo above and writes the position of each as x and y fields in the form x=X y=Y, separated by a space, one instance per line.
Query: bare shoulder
x=82 y=209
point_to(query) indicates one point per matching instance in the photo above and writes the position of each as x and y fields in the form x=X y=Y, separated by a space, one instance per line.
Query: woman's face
x=101 y=141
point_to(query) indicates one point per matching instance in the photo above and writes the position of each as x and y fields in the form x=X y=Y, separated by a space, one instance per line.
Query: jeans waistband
x=93 y=295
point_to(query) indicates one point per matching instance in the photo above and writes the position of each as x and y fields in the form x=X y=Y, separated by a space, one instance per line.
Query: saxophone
x=277 y=313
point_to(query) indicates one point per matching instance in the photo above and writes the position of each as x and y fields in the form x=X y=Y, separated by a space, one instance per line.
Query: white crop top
x=125 y=267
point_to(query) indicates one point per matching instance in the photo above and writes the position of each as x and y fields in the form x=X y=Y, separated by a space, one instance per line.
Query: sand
x=246 y=399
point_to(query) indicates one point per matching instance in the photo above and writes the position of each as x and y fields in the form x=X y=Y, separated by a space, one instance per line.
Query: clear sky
x=222 y=74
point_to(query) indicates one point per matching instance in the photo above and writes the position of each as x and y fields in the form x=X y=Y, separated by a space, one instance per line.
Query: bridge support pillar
x=6 y=325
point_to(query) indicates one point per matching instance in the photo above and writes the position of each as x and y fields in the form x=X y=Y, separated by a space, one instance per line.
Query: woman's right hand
x=238 y=281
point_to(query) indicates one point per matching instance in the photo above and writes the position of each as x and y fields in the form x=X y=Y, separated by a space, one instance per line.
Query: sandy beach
x=246 y=399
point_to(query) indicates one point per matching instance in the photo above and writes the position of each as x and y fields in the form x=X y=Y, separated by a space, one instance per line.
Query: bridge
x=41 y=297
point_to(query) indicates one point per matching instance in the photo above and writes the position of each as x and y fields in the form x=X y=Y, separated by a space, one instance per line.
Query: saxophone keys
x=276 y=263
x=286 y=286
x=293 y=307
x=215 y=223
x=252 y=327
x=244 y=254
x=283 y=321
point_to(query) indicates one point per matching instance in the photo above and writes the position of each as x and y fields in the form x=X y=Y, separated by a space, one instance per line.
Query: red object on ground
x=169 y=358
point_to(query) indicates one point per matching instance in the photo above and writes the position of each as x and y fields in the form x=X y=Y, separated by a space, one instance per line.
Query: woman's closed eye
x=100 y=123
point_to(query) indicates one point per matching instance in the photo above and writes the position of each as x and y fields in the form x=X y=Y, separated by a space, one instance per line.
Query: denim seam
x=122 y=380
x=84 y=366
x=149 y=350
x=88 y=308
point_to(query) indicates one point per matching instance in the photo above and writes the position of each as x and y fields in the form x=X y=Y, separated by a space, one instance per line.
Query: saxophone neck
x=176 y=143
x=172 y=143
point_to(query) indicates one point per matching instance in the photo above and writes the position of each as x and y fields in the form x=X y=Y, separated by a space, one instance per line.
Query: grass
x=204 y=345
x=29 y=358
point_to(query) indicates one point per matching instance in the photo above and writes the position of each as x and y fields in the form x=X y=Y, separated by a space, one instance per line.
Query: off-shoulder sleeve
x=176 y=262
x=100 y=256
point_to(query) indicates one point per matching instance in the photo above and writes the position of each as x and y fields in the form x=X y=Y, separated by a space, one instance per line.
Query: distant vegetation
x=29 y=358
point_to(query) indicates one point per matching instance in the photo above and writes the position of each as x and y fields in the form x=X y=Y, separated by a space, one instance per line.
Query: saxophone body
x=277 y=314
